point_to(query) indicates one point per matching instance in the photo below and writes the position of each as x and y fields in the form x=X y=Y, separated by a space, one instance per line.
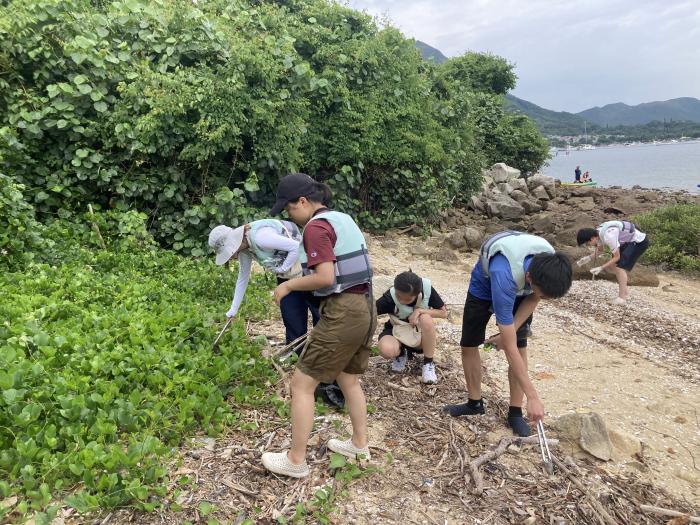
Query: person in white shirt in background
x=275 y=245
x=626 y=243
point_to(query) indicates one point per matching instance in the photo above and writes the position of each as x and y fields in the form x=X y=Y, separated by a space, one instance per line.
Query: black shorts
x=630 y=252
x=388 y=330
x=477 y=313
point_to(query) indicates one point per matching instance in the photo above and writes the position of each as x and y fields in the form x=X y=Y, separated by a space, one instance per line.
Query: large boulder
x=530 y=205
x=549 y=184
x=504 y=208
x=473 y=236
x=585 y=431
x=456 y=240
x=519 y=195
x=519 y=184
x=540 y=193
x=476 y=204
x=444 y=254
x=639 y=276
x=583 y=203
x=501 y=172
x=505 y=187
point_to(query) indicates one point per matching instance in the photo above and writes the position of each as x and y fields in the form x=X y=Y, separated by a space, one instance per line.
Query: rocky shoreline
x=542 y=206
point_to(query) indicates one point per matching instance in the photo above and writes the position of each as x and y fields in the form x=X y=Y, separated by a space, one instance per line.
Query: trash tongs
x=544 y=449
x=215 y=346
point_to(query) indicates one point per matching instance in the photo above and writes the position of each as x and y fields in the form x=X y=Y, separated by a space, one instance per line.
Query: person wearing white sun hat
x=275 y=245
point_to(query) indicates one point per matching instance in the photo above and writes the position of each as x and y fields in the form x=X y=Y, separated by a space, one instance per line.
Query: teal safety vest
x=627 y=230
x=271 y=259
x=515 y=246
x=403 y=311
x=352 y=266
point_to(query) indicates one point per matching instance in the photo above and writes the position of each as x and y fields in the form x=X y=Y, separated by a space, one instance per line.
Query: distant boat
x=589 y=183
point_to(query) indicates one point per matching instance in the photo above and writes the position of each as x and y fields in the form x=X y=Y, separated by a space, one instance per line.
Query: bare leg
x=621 y=282
x=471 y=362
x=357 y=406
x=516 y=391
x=303 y=407
x=428 y=336
x=389 y=347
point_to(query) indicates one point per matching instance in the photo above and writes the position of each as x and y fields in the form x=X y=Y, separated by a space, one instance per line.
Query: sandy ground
x=636 y=366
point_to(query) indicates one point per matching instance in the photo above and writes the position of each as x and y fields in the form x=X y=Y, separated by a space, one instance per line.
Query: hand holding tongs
x=544 y=449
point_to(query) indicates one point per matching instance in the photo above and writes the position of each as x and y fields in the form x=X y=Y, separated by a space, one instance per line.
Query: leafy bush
x=191 y=112
x=106 y=363
x=674 y=233
x=20 y=233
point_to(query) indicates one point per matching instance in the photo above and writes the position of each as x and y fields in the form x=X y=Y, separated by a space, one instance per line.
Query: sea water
x=673 y=165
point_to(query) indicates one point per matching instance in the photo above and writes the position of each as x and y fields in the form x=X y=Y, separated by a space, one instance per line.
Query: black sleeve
x=435 y=300
x=385 y=304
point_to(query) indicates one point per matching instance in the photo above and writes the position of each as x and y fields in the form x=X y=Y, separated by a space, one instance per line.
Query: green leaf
x=337 y=461
x=82 y=153
x=100 y=106
x=80 y=79
x=85 y=88
x=61 y=123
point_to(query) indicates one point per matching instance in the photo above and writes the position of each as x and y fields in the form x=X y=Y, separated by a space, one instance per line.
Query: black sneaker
x=464 y=409
x=519 y=426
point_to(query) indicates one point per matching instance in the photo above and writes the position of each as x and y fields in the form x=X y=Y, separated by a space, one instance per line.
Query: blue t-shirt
x=499 y=288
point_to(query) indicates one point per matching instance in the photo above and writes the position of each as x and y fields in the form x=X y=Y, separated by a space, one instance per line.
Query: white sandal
x=346 y=448
x=279 y=463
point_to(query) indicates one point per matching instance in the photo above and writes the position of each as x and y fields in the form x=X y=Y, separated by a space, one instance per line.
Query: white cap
x=225 y=241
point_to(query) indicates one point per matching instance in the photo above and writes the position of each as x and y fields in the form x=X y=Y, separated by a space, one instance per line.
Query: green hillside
x=429 y=52
x=549 y=122
x=619 y=114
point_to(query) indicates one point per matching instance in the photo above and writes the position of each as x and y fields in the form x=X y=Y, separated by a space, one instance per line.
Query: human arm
x=508 y=338
x=323 y=276
x=525 y=309
x=611 y=240
x=268 y=239
x=436 y=309
x=244 y=263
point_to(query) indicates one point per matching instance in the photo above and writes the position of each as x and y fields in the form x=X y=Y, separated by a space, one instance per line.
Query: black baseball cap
x=290 y=188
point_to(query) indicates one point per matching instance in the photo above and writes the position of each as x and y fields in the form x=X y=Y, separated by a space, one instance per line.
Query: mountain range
x=617 y=114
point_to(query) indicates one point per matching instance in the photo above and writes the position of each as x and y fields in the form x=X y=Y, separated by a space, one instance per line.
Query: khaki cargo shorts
x=340 y=341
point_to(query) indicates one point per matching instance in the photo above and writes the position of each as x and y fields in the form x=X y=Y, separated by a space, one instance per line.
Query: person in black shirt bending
x=412 y=304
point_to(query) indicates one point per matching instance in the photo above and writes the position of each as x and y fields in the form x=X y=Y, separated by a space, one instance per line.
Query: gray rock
x=456 y=240
x=519 y=195
x=530 y=205
x=501 y=172
x=444 y=254
x=505 y=187
x=419 y=250
x=473 y=236
x=594 y=436
x=543 y=224
x=540 y=193
x=548 y=183
x=519 y=184
x=583 y=203
x=504 y=209
x=390 y=244
x=476 y=204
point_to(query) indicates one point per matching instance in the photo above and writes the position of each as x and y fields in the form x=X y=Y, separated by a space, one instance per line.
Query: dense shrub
x=20 y=233
x=191 y=112
x=106 y=363
x=674 y=233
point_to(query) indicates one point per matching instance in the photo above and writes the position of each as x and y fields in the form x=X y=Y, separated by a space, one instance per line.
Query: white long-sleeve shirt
x=266 y=238
x=612 y=238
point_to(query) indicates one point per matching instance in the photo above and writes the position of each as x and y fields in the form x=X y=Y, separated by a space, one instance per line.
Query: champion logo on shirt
x=314 y=254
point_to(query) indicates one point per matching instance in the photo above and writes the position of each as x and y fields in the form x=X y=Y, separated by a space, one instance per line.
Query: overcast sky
x=569 y=54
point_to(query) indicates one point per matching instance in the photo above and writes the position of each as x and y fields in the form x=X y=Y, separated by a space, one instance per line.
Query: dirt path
x=636 y=366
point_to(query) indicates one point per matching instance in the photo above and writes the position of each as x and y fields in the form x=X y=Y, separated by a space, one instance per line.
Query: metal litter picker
x=215 y=346
x=544 y=449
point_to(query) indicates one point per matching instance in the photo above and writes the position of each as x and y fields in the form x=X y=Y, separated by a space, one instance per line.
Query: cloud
x=568 y=55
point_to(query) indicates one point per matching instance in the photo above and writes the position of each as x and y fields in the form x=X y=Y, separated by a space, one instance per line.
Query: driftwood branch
x=493 y=454
x=668 y=512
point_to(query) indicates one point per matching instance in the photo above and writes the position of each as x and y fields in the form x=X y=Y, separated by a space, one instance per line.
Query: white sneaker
x=346 y=448
x=429 y=376
x=279 y=463
x=399 y=363
x=619 y=300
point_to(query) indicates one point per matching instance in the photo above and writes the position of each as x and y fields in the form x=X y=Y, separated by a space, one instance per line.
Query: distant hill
x=430 y=53
x=620 y=114
x=549 y=122
x=685 y=109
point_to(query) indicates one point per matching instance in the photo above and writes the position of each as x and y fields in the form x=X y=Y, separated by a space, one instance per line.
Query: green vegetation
x=106 y=363
x=674 y=233
x=191 y=112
